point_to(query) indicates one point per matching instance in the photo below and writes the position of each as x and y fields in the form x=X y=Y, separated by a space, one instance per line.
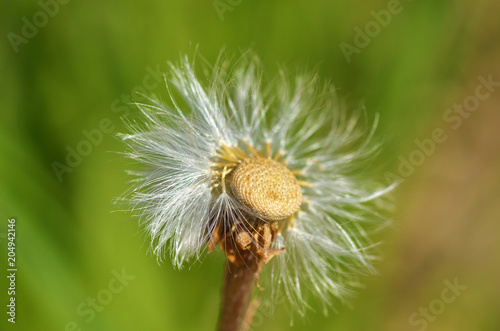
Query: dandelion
x=272 y=175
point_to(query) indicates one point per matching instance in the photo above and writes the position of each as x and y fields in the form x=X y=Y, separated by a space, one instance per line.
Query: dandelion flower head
x=272 y=172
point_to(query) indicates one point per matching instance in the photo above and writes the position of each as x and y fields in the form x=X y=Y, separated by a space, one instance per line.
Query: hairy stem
x=239 y=282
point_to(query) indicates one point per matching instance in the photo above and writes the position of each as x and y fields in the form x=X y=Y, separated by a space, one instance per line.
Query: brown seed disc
x=267 y=187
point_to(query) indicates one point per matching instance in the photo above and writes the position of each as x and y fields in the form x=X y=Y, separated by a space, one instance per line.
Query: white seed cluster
x=267 y=187
x=200 y=166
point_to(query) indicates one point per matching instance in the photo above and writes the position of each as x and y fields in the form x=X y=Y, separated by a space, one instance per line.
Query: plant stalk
x=239 y=282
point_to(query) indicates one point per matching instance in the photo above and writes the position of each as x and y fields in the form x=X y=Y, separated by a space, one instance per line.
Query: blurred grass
x=67 y=77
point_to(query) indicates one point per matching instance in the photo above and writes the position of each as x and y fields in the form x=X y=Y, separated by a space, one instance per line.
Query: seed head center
x=267 y=187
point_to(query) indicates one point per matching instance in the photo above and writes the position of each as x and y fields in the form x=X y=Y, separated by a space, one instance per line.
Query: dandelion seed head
x=257 y=169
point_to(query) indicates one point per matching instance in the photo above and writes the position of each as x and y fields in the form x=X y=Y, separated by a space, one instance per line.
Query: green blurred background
x=73 y=72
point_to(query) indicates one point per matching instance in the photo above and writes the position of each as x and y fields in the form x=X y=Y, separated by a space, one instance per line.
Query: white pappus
x=189 y=146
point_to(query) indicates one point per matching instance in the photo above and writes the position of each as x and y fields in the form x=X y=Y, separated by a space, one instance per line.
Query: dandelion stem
x=239 y=282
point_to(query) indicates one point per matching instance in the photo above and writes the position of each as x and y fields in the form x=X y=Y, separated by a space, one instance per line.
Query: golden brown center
x=267 y=187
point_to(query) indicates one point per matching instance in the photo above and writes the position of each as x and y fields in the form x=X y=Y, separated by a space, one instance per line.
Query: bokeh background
x=75 y=71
